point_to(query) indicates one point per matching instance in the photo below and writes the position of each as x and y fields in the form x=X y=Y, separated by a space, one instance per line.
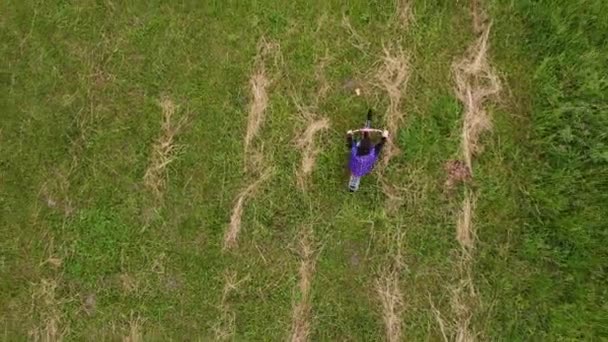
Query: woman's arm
x=380 y=145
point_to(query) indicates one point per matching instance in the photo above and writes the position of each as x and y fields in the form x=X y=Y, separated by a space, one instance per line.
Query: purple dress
x=361 y=165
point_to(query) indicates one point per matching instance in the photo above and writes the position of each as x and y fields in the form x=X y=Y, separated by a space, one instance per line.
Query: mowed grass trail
x=123 y=154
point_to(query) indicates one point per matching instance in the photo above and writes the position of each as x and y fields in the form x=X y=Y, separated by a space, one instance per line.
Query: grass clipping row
x=302 y=309
x=393 y=77
x=254 y=160
x=476 y=82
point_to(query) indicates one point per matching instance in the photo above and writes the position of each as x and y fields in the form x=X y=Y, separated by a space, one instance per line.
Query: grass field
x=177 y=170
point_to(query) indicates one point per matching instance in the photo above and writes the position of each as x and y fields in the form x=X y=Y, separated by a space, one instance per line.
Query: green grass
x=80 y=84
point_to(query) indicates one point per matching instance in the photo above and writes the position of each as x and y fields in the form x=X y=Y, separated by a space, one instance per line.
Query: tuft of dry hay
x=393 y=76
x=300 y=327
x=259 y=83
x=164 y=149
x=225 y=328
x=475 y=83
x=355 y=38
x=306 y=142
x=309 y=152
x=464 y=296
x=465 y=234
x=46 y=305
x=388 y=290
x=462 y=306
x=128 y=283
x=480 y=17
x=403 y=12
x=234 y=228
x=135 y=328
x=440 y=321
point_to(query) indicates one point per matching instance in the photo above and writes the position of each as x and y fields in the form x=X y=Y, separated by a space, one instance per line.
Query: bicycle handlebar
x=367 y=130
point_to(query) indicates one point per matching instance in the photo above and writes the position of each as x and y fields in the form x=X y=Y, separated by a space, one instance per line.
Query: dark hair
x=365 y=146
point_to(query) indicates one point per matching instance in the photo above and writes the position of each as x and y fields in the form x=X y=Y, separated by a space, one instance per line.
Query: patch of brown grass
x=462 y=304
x=476 y=82
x=259 y=83
x=47 y=307
x=440 y=320
x=306 y=144
x=134 y=333
x=257 y=108
x=404 y=13
x=465 y=234
x=388 y=289
x=480 y=17
x=234 y=228
x=55 y=192
x=128 y=283
x=164 y=149
x=225 y=327
x=393 y=76
x=464 y=297
x=53 y=259
x=463 y=301
x=356 y=40
x=302 y=310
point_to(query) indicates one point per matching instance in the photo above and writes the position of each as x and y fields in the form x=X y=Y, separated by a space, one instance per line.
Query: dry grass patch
x=476 y=82
x=391 y=297
x=393 y=76
x=259 y=83
x=225 y=328
x=356 y=40
x=465 y=234
x=234 y=228
x=134 y=332
x=302 y=310
x=388 y=289
x=480 y=17
x=47 y=307
x=257 y=108
x=55 y=192
x=164 y=149
x=306 y=143
x=462 y=302
x=404 y=13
